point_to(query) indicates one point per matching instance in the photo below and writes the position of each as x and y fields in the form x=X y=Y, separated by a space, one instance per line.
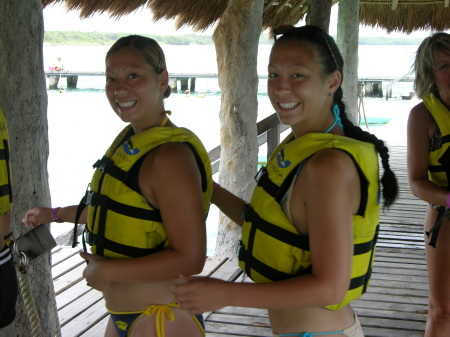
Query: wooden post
x=319 y=12
x=192 y=86
x=184 y=83
x=53 y=82
x=21 y=40
x=273 y=139
x=72 y=81
x=236 y=38
x=347 y=41
x=173 y=84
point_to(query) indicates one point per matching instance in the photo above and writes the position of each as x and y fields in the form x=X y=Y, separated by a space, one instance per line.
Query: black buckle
x=89 y=198
x=262 y=171
x=245 y=210
x=102 y=164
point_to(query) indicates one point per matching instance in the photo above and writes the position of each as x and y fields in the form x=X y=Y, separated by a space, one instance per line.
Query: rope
x=361 y=104
x=24 y=282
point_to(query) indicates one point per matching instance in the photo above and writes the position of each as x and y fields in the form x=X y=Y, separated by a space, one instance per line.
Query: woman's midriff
x=125 y=297
x=312 y=319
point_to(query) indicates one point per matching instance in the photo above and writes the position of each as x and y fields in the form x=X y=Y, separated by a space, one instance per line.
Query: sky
x=56 y=18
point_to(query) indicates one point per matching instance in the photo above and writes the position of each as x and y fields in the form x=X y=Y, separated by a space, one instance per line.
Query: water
x=82 y=124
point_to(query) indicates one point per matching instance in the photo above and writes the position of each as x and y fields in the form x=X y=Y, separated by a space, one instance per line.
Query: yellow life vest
x=5 y=168
x=439 y=158
x=271 y=247
x=121 y=223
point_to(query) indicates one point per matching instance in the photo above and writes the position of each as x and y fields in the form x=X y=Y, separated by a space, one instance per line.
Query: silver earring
x=329 y=94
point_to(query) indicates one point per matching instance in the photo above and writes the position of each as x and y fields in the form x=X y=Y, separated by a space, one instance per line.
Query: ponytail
x=388 y=180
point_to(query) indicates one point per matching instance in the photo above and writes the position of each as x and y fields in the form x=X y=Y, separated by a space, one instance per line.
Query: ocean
x=82 y=124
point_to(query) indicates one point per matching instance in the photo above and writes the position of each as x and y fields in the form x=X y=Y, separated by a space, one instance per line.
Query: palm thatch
x=198 y=14
x=392 y=15
x=406 y=15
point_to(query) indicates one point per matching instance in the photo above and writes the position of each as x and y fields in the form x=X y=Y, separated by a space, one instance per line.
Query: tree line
x=105 y=38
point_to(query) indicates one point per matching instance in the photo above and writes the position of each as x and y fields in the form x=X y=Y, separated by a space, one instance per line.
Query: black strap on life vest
x=93 y=239
x=277 y=192
x=295 y=240
x=444 y=160
x=6 y=189
x=434 y=232
x=104 y=204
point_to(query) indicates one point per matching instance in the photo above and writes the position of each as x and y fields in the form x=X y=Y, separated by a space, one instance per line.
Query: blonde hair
x=426 y=61
x=151 y=50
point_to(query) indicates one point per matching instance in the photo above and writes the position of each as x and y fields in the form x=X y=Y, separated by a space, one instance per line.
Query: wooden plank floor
x=395 y=304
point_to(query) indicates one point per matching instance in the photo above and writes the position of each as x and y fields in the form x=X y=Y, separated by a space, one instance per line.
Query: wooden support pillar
x=72 y=81
x=373 y=89
x=347 y=41
x=173 y=84
x=53 y=82
x=184 y=84
x=192 y=86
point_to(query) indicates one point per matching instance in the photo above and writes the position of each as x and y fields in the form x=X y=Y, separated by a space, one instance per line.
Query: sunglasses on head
x=306 y=31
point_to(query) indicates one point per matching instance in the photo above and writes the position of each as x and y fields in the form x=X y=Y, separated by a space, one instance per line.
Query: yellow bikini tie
x=166 y=118
x=161 y=311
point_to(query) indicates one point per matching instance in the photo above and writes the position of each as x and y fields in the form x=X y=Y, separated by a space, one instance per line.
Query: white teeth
x=126 y=104
x=288 y=105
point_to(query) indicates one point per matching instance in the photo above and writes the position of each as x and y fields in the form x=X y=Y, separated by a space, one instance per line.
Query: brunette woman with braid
x=309 y=231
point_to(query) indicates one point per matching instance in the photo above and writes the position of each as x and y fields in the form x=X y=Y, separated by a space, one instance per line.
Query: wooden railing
x=269 y=130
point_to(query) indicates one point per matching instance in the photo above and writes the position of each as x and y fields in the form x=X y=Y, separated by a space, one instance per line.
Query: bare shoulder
x=331 y=166
x=421 y=122
x=170 y=156
x=170 y=165
x=420 y=113
x=330 y=160
x=330 y=178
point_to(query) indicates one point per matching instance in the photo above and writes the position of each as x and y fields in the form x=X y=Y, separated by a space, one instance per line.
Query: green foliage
x=101 y=38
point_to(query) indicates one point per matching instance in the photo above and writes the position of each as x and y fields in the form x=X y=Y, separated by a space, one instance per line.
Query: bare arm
x=329 y=194
x=39 y=215
x=5 y=227
x=421 y=127
x=228 y=203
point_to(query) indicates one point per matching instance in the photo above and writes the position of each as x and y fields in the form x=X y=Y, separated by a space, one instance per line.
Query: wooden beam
x=286 y=3
x=270 y=3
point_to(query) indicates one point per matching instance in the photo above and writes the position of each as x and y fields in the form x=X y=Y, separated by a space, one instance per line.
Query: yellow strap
x=161 y=311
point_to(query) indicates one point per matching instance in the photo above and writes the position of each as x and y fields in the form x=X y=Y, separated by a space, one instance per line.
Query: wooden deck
x=395 y=304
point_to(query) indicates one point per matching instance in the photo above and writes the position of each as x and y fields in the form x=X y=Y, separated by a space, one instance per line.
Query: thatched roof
x=392 y=15
x=406 y=15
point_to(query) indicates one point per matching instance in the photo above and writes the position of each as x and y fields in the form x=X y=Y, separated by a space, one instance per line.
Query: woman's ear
x=164 y=80
x=335 y=80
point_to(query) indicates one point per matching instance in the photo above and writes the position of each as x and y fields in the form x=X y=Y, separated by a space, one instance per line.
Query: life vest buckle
x=89 y=198
x=245 y=211
x=262 y=171
x=102 y=164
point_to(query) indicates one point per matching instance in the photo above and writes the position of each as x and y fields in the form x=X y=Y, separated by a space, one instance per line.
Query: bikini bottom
x=124 y=321
x=354 y=330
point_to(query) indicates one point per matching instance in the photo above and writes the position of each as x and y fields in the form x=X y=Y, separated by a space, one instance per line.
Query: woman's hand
x=200 y=294
x=37 y=216
x=92 y=272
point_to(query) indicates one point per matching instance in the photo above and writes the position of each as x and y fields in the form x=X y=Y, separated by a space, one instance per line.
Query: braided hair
x=330 y=58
